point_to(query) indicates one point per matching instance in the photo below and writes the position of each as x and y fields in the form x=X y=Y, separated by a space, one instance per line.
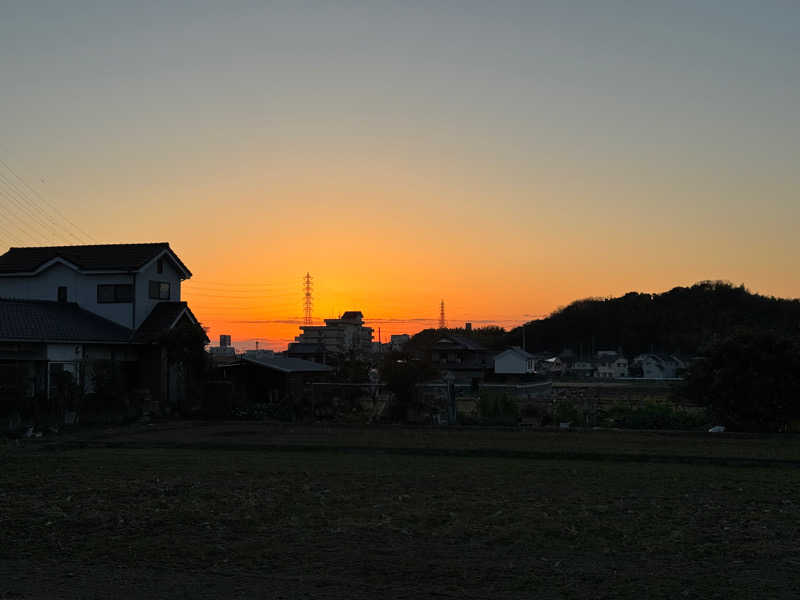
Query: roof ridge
x=91 y=245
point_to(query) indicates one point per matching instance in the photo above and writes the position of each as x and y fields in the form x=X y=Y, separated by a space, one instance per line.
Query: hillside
x=682 y=320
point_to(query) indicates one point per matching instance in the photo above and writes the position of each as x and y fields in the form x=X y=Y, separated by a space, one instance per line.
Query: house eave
x=183 y=270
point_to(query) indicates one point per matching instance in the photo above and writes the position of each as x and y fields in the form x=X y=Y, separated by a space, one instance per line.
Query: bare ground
x=246 y=510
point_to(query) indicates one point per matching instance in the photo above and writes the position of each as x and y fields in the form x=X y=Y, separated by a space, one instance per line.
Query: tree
x=750 y=381
x=401 y=373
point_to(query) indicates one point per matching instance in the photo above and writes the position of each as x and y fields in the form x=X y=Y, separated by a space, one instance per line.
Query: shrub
x=499 y=408
x=653 y=415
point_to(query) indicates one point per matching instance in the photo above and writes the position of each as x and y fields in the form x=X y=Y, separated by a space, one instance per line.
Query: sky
x=505 y=157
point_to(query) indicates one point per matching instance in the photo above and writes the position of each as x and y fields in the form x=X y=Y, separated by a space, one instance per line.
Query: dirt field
x=249 y=510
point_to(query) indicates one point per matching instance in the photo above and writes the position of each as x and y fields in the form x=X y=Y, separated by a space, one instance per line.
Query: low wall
x=593 y=395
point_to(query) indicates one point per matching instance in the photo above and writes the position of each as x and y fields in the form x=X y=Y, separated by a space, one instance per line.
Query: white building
x=223 y=352
x=514 y=361
x=339 y=335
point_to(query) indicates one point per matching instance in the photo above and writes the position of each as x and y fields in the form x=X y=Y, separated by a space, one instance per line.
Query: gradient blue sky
x=507 y=156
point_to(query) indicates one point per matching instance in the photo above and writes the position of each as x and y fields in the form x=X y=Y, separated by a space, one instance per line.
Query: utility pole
x=442 y=322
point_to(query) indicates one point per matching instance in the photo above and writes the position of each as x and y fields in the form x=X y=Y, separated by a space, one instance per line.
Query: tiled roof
x=160 y=320
x=462 y=341
x=41 y=320
x=99 y=257
x=289 y=365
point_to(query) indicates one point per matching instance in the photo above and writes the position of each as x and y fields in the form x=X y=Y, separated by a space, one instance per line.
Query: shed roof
x=289 y=365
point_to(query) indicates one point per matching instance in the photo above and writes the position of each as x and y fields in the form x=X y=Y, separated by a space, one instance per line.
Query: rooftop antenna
x=308 y=301
x=442 y=322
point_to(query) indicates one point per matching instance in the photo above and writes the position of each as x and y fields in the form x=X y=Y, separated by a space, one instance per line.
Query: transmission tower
x=442 y=322
x=308 y=301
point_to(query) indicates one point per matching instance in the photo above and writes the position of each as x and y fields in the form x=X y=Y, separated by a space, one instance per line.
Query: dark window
x=114 y=292
x=123 y=292
x=62 y=293
x=159 y=290
x=160 y=265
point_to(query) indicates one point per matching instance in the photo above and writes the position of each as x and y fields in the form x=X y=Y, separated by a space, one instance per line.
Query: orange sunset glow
x=400 y=162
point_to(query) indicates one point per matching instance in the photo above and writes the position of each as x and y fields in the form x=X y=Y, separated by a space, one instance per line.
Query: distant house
x=553 y=365
x=610 y=365
x=465 y=358
x=515 y=361
x=397 y=341
x=660 y=366
x=68 y=314
x=582 y=368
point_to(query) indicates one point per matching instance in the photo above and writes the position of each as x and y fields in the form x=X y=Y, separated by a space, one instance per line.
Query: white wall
x=82 y=289
x=510 y=362
x=145 y=304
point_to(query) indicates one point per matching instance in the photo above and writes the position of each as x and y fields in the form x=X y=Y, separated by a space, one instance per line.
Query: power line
x=21 y=223
x=227 y=285
x=87 y=236
x=10 y=235
x=28 y=205
x=21 y=202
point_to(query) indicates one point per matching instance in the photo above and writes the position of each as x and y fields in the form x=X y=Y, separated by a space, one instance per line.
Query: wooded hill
x=683 y=320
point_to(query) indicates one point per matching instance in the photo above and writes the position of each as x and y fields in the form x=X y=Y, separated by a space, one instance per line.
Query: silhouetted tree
x=750 y=381
x=401 y=373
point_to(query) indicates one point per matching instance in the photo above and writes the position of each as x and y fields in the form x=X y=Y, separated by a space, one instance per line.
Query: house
x=551 y=366
x=515 y=360
x=398 y=341
x=582 y=368
x=347 y=333
x=70 y=315
x=610 y=365
x=465 y=358
x=659 y=366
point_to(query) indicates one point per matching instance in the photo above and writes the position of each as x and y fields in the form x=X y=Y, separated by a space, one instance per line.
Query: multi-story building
x=344 y=334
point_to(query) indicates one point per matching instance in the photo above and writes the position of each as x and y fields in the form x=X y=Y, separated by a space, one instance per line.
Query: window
x=62 y=293
x=114 y=292
x=159 y=290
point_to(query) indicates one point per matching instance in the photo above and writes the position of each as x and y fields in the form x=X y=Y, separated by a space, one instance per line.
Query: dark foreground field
x=129 y=515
